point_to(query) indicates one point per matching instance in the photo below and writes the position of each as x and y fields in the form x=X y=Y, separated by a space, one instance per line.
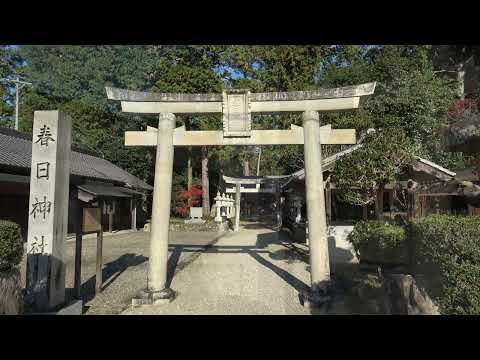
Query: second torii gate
x=237 y=106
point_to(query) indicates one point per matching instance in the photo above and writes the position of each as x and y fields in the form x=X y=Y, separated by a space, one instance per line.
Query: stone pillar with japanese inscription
x=48 y=209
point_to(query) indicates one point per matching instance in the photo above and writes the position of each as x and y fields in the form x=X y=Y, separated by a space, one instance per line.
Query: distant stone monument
x=48 y=210
x=195 y=216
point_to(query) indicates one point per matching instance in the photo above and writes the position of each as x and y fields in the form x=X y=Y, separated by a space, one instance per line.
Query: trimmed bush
x=11 y=245
x=447 y=254
x=380 y=242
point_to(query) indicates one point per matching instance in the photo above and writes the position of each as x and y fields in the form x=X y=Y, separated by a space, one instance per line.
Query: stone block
x=74 y=308
x=196 y=212
x=195 y=221
x=146 y=297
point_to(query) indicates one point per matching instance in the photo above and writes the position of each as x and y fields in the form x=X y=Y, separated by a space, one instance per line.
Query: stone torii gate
x=237 y=105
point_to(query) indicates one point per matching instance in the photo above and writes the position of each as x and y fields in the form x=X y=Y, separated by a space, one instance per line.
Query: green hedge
x=380 y=242
x=446 y=251
x=11 y=245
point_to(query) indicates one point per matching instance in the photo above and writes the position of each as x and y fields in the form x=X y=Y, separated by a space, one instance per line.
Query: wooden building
x=94 y=181
x=423 y=188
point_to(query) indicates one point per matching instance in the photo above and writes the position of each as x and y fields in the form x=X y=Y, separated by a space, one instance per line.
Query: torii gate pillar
x=157 y=290
x=317 y=226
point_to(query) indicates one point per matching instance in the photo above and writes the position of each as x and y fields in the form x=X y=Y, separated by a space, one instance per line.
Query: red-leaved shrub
x=195 y=194
x=460 y=106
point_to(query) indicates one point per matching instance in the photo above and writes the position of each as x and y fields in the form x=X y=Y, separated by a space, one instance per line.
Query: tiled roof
x=16 y=151
x=329 y=163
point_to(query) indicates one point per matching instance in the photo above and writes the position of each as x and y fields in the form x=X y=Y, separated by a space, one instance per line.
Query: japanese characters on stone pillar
x=48 y=209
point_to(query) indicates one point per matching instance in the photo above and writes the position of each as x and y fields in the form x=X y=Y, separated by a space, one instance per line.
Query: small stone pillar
x=298 y=207
x=232 y=206
x=228 y=207
x=218 y=217
x=223 y=205
x=317 y=227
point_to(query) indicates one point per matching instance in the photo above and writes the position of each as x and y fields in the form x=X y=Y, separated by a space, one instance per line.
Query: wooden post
x=133 y=210
x=365 y=212
x=471 y=210
x=328 y=203
x=390 y=200
x=110 y=216
x=78 y=218
x=333 y=203
x=410 y=200
x=278 y=209
x=189 y=175
x=379 y=203
x=98 y=279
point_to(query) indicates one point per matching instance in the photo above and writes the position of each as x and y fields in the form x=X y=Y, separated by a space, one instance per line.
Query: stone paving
x=250 y=272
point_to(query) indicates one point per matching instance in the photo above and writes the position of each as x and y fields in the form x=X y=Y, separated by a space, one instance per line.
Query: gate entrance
x=237 y=107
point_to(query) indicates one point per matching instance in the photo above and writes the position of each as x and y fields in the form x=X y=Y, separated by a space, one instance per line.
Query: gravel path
x=125 y=264
x=253 y=271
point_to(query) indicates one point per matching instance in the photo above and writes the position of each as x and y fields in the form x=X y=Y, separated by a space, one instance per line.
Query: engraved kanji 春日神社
x=38 y=246
x=41 y=207
x=43 y=170
x=45 y=136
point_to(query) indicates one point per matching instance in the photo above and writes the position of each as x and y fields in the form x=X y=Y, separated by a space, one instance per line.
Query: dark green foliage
x=7 y=70
x=11 y=245
x=447 y=252
x=380 y=242
x=409 y=98
x=73 y=79
x=273 y=68
x=383 y=156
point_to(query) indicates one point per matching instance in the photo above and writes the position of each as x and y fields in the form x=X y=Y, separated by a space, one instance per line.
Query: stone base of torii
x=236 y=107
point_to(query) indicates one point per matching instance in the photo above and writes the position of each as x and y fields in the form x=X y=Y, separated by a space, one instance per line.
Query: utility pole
x=258 y=150
x=18 y=85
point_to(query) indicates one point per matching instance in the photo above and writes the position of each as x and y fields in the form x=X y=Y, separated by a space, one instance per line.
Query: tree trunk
x=205 y=183
x=461 y=80
x=246 y=167
x=379 y=203
x=189 y=174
